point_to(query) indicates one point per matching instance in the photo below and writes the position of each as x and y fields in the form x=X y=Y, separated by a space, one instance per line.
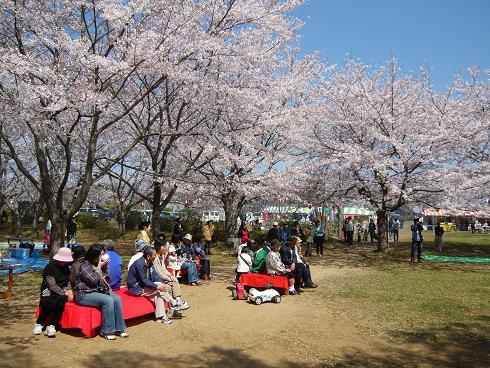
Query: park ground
x=371 y=310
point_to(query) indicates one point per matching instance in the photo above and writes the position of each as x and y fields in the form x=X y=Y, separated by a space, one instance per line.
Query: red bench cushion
x=88 y=319
x=260 y=280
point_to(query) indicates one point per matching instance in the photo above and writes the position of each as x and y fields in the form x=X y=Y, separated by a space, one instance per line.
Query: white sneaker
x=38 y=329
x=164 y=320
x=181 y=305
x=50 y=331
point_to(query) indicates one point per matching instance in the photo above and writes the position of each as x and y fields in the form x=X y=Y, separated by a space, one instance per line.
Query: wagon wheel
x=258 y=300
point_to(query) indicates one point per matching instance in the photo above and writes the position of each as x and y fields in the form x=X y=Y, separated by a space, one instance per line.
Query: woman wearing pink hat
x=55 y=292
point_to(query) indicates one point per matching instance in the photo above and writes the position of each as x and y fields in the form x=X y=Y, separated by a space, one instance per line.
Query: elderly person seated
x=189 y=260
x=200 y=253
x=275 y=267
x=114 y=266
x=142 y=281
x=88 y=282
x=55 y=292
x=140 y=245
x=159 y=266
x=289 y=257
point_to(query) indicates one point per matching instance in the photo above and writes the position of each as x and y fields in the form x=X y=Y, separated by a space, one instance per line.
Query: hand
x=102 y=264
x=69 y=295
x=173 y=278
x=292 y=267
x=161 y=287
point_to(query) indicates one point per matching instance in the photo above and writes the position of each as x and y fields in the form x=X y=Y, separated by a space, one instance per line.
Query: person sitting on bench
x=91 y=289
x=275 y=267
x=143 y=281
x=258 y=264
x=301 y=272
x=55 y=292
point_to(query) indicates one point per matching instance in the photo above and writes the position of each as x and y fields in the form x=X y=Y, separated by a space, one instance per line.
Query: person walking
x=417 y=239
x=438 y=232
x=349 y=226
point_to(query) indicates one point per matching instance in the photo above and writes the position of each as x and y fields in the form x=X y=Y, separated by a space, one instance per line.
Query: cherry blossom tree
x=390 y=134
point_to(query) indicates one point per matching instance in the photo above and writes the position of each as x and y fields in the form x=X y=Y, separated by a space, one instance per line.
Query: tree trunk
x=232 y=211
x=38 y=206
x=58 y=223
x=382 y=225
x=121 y=220
x=156 y=209
x=18 y=218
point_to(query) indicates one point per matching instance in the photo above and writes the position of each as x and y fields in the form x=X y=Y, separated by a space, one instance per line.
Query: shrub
x=106 y=230
x=133 y=220
x=87 y=221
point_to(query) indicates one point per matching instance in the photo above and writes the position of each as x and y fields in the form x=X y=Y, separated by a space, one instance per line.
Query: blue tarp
x=24 y=265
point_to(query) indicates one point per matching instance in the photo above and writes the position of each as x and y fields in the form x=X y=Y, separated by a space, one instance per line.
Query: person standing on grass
x=144 y=231
x=438 y=231
x=417 y=239
x=208 y=236
x=319 y=236
x=372 y=230
x=396 y=230
x=350 y=231
x=71 y=232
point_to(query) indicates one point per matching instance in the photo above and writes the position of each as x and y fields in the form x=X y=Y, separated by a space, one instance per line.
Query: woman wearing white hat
x=55 y=292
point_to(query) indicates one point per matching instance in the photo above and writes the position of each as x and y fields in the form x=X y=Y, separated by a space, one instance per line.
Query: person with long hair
x=91 y=289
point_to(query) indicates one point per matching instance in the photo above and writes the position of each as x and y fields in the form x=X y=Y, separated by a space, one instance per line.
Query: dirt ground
x=301 y=331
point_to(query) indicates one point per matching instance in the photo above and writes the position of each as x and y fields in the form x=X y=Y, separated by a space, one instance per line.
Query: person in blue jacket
x=115 y=264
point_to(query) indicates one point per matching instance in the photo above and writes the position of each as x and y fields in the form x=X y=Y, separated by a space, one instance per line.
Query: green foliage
x=106 y=230
x=86 y=220
x=133 y=220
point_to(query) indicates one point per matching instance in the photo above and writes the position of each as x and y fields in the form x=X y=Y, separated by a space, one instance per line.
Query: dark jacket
x=273 y=234
x=140 y=276
x=288 y=255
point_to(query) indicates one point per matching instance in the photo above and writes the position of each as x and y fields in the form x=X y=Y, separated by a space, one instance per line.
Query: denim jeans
x=192 y=274
x=111 y=305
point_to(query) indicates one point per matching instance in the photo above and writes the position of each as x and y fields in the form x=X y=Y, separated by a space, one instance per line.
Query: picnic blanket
x=432 y=258
x=23 y=265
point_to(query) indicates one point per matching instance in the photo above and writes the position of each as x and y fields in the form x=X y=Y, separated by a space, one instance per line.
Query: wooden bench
x=89 y=319
x=10 y=284
x=261 y=281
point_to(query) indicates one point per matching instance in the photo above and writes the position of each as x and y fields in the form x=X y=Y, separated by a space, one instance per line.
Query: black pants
x=319 y=244
x=207 y=247
x=205 y=267
x=350 y=237
x=373 y=236
x=302 y=275
x=396 y=235
x=51 y=310
x=418 y=245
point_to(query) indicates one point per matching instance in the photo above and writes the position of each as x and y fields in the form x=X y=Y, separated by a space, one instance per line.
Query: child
x=244 y=262
x=173 y=260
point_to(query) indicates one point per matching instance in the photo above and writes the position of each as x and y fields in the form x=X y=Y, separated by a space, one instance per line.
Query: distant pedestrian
x=71 y=232
x=396 y=230
x=319 y=236
x=438 y=232
x=372 y=230
x=349 y=226
x=178 y=229
x=208 y=236
x=417 y=239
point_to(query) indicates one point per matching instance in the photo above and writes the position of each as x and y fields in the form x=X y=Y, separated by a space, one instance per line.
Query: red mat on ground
x=260 y=280
x=88 y=319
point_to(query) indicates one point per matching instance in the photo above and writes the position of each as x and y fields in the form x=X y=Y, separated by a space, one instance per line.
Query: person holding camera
x=91 y=289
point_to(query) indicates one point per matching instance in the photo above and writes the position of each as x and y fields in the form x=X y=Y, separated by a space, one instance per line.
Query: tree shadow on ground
x=18 y=358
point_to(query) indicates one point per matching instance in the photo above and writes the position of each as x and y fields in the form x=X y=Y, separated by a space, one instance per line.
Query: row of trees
x=208 y=101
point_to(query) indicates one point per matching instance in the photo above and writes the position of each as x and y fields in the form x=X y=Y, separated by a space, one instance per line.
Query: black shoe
x=311 y=285
x=176 y=314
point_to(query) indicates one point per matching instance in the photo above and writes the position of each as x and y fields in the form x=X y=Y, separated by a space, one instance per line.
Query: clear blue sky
x=449 y=35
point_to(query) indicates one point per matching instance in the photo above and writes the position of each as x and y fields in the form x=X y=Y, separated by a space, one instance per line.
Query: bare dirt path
x=217 y=331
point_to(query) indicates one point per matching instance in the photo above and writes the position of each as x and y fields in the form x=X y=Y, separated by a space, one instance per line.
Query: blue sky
x=448 y=35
